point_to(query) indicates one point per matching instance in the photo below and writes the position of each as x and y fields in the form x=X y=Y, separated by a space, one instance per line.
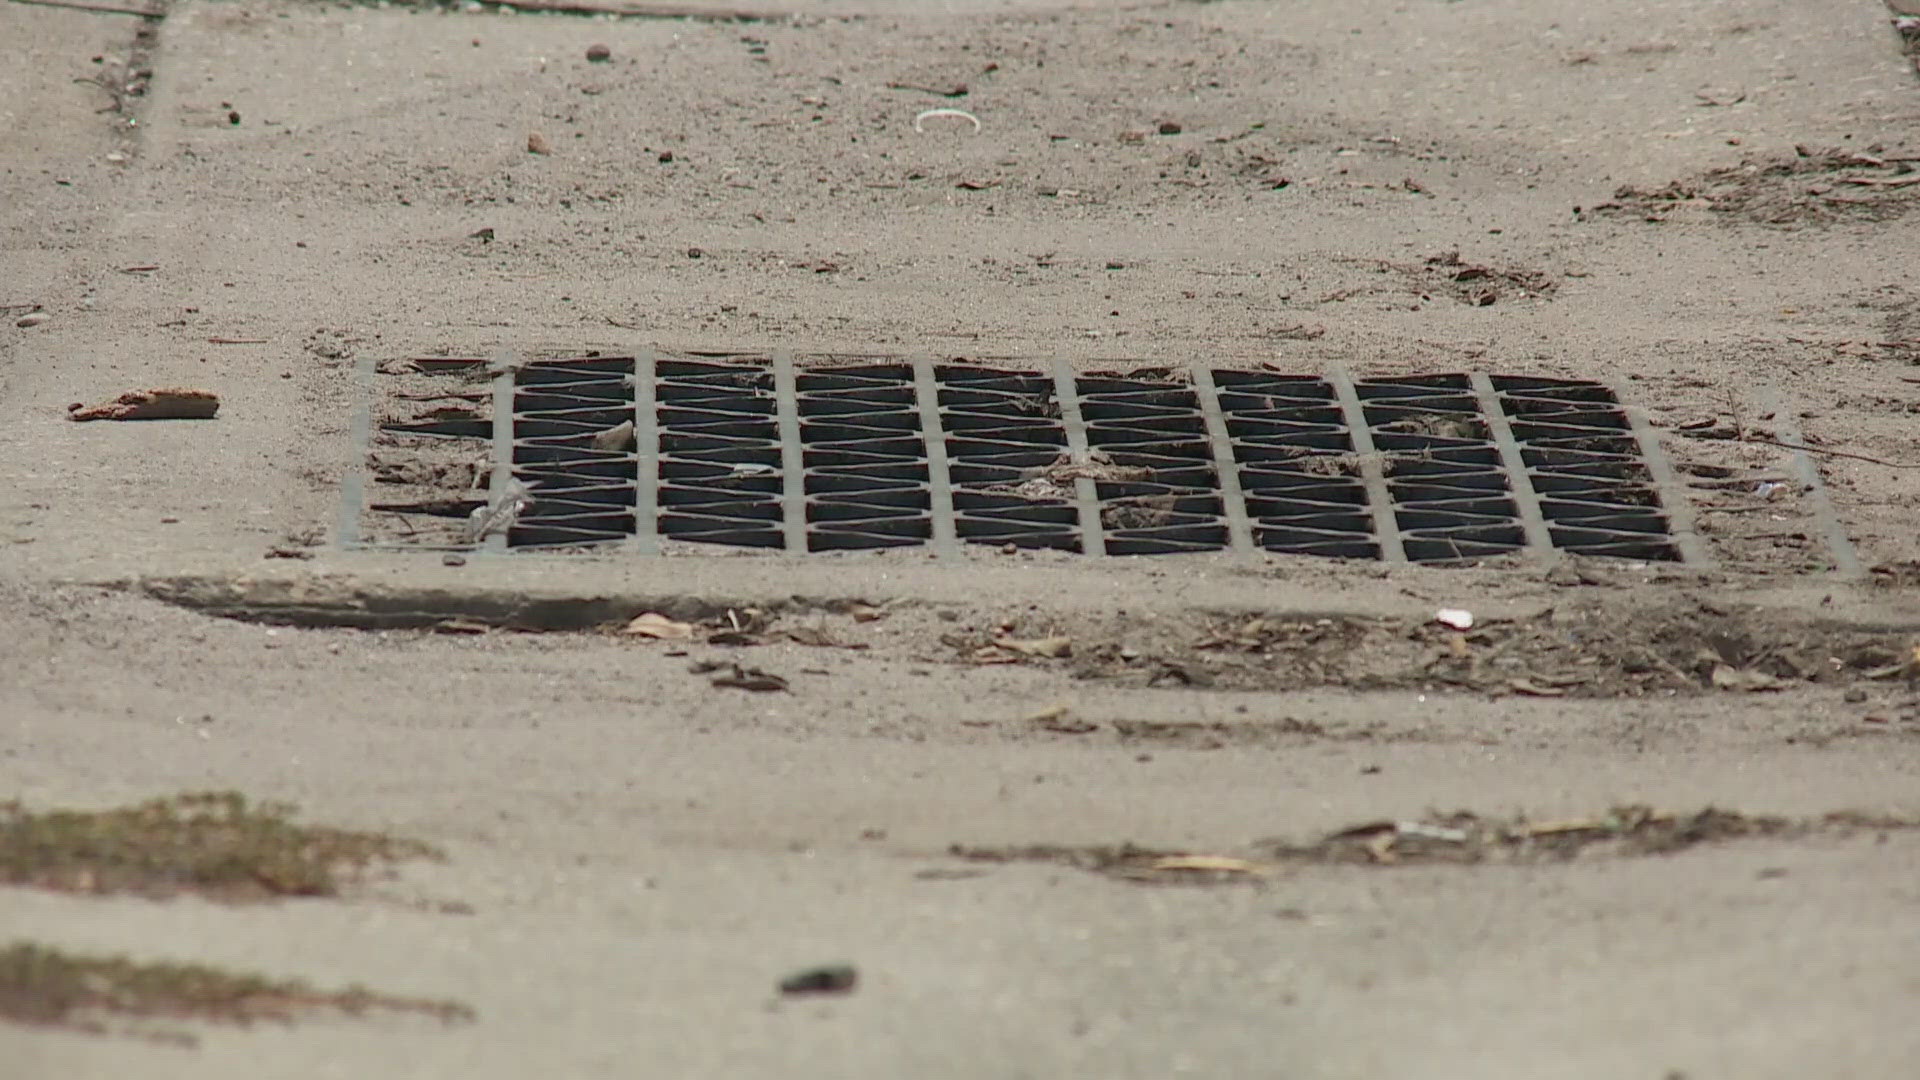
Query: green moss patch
x=211 y=843
x=47 y=987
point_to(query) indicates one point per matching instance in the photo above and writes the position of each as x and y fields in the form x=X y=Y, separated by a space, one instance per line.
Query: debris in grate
x=1461 y=838
x=767 y=452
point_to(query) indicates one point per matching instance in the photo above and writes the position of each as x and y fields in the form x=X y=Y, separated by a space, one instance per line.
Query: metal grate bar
x=1093 y=537
x=646 y=448
x=1369 y=463
x=926 y=389
x=503 y=367
x=1233 y=501
x=792 y=453
x=1526 y=500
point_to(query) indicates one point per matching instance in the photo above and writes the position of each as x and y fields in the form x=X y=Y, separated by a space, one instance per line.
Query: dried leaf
x=1050 y=647
x=1218 y=864
x=1726 y=677
x=654 y=625
x=746 y=678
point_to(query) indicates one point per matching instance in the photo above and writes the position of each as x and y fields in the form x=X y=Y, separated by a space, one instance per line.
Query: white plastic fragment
x=931 y=113
x=1456 y=618
x=501 y=513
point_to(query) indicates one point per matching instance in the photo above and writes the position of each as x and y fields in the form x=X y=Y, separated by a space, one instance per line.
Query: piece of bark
x=172 y=403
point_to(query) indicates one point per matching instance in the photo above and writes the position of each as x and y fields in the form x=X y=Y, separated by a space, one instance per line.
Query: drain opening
x=758 y=452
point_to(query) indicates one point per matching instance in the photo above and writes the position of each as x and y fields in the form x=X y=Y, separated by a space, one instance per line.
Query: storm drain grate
x=760 y=452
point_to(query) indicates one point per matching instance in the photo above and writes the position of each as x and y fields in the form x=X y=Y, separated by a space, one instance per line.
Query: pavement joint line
x=1846 y=561
x=353 y=484
x=1675 y=500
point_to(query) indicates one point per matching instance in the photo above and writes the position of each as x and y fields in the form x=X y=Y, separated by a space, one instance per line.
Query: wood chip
x=615 y=440
x=654 y=625
x=1050 y=647
x=1216 y=864
x=173 y=403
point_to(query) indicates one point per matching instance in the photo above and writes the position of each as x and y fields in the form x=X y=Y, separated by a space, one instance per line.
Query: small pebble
x=538 y=144
x=233 y=118
x=835 y=979
x=694 y=253
x=453 y=560
x=1168 y=127
x=35 y=319
x=599 y=54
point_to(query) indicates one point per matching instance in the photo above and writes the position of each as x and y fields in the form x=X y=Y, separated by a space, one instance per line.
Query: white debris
x=1456 y=618
x=499 y=515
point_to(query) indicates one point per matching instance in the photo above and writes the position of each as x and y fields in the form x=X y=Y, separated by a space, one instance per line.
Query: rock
x=1168 y=127
x=33 y=319
x=833 y=979
x=599 y=54
x=538 y=144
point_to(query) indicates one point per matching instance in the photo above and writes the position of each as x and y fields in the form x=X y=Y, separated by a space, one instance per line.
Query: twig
x=955 y=90
x=236 y=341
x=119 y=96
x=622 y=325
x=1882 y=181
x=1830 y=453
x=645 y=9
x=105 y=9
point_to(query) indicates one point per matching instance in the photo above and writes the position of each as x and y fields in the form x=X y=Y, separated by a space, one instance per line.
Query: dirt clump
x=1814 y=185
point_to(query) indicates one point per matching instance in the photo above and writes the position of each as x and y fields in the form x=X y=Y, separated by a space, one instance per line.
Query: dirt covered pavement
x=1019 y=812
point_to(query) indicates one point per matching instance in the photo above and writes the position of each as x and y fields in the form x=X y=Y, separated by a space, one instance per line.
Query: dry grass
x=212 y=843
x=46 y=987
